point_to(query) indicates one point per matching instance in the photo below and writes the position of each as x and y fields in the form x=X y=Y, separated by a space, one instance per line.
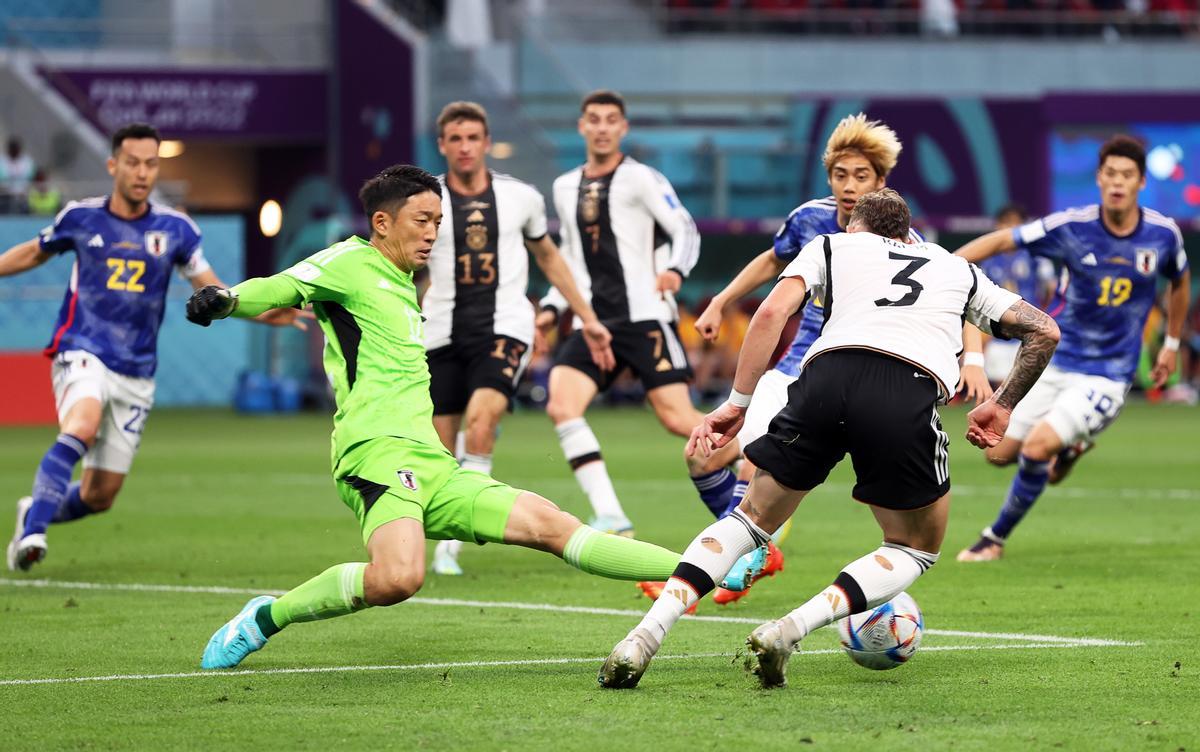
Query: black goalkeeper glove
x=210 y=303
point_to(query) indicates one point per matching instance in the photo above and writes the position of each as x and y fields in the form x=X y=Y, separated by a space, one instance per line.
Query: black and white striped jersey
x=614 y=233
x=479 y=266
x=904 y=299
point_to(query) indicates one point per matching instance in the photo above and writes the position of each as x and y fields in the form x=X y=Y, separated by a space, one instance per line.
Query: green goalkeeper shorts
x=388 y=478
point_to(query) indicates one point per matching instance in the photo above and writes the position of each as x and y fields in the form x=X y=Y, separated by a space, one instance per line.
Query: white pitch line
x=519 y=606
x=467 y=664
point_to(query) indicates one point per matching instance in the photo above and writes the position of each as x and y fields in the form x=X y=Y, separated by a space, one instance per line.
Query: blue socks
x=72 y=507
x=716 y=489
x=739 y=493
x=1027 y=486
x=50 y=483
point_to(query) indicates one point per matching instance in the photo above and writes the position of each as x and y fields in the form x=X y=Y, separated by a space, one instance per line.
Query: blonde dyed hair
x=872 y=139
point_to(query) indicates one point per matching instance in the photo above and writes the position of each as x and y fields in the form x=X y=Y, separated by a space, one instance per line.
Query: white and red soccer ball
x=885 y=636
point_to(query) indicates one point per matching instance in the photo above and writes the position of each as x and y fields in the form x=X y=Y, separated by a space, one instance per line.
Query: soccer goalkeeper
x=388 y=464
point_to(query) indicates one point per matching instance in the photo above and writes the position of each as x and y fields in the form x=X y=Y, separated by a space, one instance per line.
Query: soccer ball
x=885 y=636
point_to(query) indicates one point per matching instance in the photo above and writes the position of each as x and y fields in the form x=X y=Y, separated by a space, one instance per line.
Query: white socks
x=705 y=562
x=863 y=584
x=582 y=451
x=478 y=462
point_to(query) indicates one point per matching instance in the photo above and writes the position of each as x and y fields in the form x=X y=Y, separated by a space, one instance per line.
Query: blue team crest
x=156 y=243
x=1146 y=260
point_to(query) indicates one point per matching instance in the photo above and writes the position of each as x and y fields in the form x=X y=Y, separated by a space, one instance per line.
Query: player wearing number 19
x=1112 y=254
x=388 y=463
x=105 y=341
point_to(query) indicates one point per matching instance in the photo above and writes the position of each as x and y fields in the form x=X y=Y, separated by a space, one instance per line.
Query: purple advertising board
x=209 y=104
x=962 y=157
x=374 y=96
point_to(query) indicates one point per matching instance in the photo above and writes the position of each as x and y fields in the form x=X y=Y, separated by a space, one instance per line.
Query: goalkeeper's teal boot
x=238 y=638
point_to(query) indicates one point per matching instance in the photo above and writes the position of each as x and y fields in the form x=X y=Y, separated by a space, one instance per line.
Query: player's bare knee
x=101 y=503
x=699 y=465
x=84 y=431
x=560 y=411
x=999 y=458
x=536 y=522
x=392 y=585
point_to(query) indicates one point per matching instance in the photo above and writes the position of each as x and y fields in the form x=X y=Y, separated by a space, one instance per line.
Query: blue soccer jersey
x=807 y=221
x=1111 y=284
x=118 y=290
x=1021 y=273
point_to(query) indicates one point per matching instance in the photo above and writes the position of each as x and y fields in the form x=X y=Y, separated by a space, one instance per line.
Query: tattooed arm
x=1039 y=336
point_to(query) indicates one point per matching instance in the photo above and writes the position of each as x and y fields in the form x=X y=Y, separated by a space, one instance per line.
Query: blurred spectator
x=43 y=197
x=16 y=171
x=713 y=363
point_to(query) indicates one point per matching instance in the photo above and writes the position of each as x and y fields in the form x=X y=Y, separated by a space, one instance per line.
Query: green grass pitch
x=219 y=501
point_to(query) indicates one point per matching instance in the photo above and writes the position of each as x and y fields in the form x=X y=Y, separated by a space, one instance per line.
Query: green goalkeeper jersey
x=374 y=340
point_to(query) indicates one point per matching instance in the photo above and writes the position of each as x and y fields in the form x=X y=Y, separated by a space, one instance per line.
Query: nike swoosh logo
x=920 y=375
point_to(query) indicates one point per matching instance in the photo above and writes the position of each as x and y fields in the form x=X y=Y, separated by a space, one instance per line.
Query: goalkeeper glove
x=209 y=303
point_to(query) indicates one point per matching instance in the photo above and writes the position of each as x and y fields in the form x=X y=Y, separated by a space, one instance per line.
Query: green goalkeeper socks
x=335 y=592
x=620 y=558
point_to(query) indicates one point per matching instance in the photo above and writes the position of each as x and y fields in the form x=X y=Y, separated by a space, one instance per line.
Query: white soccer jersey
x=479 y=266
x=612 y=236
x=906 y=300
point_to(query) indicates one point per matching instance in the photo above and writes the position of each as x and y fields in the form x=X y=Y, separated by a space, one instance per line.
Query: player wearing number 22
x=1112 y=255
x=105 y=340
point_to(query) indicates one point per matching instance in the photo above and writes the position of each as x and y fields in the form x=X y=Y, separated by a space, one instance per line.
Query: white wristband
x=973 y=359
x=737 y=399
x=1171 y=343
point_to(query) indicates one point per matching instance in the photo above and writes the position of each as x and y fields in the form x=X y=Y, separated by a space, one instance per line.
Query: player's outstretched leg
x=237 y=638
x=395 y=573
x=706 y=560
x=864 y=583
x=535 y=522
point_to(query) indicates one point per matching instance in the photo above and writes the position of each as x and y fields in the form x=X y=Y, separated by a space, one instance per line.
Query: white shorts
x=998 y=358
x=1076 y=405
x=770 y=396
x=125 y=401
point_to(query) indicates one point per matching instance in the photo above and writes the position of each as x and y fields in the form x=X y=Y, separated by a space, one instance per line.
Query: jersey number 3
x=904 y=279
x=117 y=279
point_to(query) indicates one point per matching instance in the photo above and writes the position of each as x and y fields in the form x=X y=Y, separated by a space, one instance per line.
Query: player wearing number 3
x=105 y=341
x=1111 y=255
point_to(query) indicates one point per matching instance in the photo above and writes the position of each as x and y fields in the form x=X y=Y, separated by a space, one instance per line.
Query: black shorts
x=456 y=370
x=881 y=410
x=651 y=349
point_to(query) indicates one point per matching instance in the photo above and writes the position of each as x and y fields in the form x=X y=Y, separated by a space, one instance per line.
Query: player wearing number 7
x=1111 y=255
x=105 y=341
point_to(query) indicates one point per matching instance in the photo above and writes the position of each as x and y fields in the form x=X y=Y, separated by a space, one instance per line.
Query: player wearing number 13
x=105 y=340
x=1112 y=255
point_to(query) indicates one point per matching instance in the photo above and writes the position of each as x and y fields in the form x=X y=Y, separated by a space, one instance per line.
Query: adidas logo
x=1089 y=260
x=96 y=241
